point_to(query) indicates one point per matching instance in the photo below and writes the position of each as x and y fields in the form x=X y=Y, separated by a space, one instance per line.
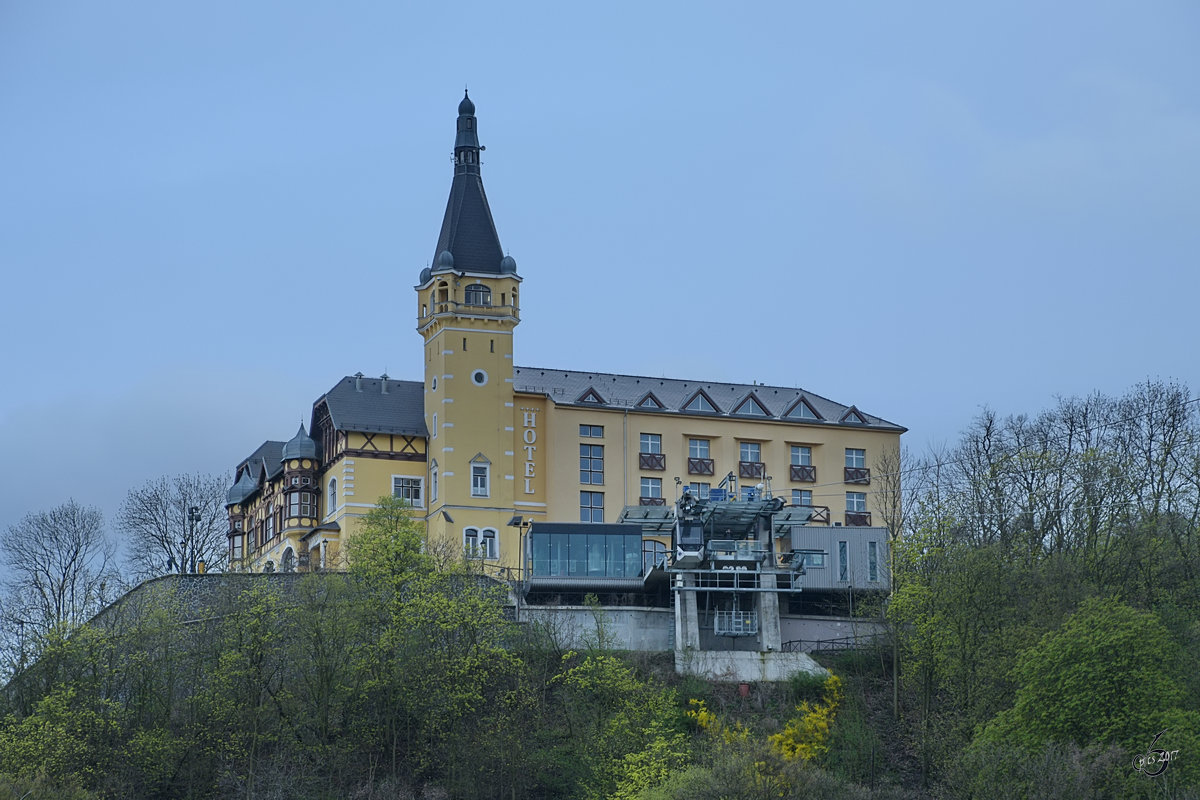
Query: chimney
x=358 y=376
x=383 y=381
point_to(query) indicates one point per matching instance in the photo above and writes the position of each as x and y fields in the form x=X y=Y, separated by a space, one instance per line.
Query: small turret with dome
x=299 y=479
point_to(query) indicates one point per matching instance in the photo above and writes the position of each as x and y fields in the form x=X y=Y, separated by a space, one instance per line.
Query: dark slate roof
x=268 y=459
x=570 y=388
x=468 y=232
x=401 y=409
x=300 y=446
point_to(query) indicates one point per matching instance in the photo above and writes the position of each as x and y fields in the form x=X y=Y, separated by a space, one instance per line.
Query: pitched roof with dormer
x=676 y=396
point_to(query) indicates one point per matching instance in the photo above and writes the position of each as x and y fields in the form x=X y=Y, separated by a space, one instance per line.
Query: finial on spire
x=466 y=106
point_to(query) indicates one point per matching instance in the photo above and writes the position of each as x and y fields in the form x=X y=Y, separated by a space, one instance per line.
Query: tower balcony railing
x=454 y=307
x=804 y=473
x=858 y=519
x=652 y=501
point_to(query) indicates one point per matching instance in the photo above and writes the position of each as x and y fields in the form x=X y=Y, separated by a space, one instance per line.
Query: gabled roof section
x=268 y=458
x=650 y=402
x=361 y=404
x=751 y=407
x=591 y=396
x=801 y=409
x=787 y=405
x=700 y=401
x=853 y=416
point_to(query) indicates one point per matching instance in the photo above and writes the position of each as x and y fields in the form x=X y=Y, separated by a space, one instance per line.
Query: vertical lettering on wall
x=529 y=437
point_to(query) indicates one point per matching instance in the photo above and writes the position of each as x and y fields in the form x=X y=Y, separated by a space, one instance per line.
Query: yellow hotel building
x=482 y=448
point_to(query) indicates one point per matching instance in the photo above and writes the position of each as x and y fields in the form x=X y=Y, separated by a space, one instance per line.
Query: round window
x=479 y=377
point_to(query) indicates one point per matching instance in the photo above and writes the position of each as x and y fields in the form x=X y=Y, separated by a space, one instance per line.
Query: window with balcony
x=699 y=461
x=651 y=492
x=591 y=464
x=802 y=497
x=856 y=509
x=750 y=463
x=802 y=469
x=699 y=490
x=650 y=454
x=591 y=506
x=856 y=466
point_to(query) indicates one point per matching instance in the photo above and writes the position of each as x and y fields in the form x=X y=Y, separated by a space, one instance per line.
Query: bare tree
x=59 y=562
x=172 y=524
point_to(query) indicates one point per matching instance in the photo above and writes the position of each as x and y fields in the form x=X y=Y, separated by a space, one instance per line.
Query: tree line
x=62 y=566
x=1046 y=599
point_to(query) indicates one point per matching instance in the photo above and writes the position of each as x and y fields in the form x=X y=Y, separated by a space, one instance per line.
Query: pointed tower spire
x=468 y=241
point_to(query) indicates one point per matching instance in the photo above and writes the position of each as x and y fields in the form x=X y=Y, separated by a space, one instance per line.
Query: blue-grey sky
x=209 y=212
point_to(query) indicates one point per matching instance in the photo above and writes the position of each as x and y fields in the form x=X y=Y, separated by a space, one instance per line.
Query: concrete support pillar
x=687 y=617
x=768 y=601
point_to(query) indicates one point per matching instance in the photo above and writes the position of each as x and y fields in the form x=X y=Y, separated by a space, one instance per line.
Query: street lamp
x=193 y=518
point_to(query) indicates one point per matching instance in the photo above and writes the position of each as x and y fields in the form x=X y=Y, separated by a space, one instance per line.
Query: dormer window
x=478 y=295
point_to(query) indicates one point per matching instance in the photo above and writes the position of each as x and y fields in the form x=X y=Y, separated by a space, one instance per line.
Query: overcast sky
x=210 y=212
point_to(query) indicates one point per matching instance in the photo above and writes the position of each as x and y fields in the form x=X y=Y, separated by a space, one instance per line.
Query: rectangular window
x=813 y=559
x=651 y=487
x=409 y=490
x=801 y=497
x=801 y=456
x=235 y=551
x=591 y=431
x=651 y=443
x=591 y=506
x=750 y=451
x=698 y=448
x=479 y=480
x=843 y=561
x=699 y=490
x=434 y=425
x=856 y=458
x=302 y=504
x=433 y=484
x=270 y=523
x=872 y=561
x=856 y=501
x=591 y=464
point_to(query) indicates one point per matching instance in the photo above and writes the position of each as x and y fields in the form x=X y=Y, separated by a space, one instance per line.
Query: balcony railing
x=652 y=501
x=804 y=473
x=652 y=461
x=858 y=519
x=735 y=623
x=858 y=475
x=751 y=469
x=701 y=466
x=820 y=515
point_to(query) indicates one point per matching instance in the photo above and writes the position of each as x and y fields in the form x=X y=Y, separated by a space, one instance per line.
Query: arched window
x=433 y=481
x=478 y=295
x=653 y=552
x=332 y=502
x=288 y=562
x=483 y=543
